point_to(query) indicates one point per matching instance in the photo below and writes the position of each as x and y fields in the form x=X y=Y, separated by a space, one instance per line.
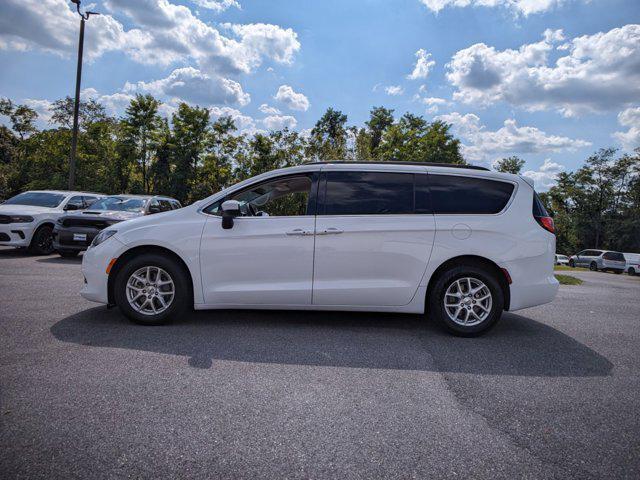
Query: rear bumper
x=530 y=295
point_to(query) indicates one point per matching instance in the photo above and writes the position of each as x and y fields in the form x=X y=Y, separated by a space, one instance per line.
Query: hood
x=108 y=214
x=25 y=210
x=149 y=220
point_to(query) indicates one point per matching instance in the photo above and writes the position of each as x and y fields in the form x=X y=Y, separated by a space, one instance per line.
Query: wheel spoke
x=464 y=295
x=150 y=290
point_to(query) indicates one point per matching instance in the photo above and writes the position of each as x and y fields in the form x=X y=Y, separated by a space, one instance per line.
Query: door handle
x=330 y=231
x=299 y=231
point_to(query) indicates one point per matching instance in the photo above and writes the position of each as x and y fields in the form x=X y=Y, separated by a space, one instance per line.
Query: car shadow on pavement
x=61 y=260
x=517 y=346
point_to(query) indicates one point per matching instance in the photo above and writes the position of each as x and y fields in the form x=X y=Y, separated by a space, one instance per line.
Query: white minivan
x=459 y=243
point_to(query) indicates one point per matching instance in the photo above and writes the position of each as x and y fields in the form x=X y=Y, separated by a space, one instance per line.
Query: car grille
x=86 y=222
x=4 y=219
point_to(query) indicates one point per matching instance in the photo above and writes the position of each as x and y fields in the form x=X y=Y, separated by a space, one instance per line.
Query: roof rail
x=422 y=164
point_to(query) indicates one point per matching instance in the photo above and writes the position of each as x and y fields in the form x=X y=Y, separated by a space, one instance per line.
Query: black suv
x=73 y=233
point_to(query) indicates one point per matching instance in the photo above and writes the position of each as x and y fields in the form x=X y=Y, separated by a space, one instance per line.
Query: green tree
x=190 y=136
x=328 y=139
x=510 y=165
x=413 y=139
x=141 y=123
x=90 y=111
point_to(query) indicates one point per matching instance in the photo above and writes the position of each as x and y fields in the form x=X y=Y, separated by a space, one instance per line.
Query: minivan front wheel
x=152 y=290
x=466 y=300
x=593 y=267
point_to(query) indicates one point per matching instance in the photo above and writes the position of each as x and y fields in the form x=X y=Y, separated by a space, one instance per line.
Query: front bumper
x=16 y=234
x=94 y=268
x=63 y=237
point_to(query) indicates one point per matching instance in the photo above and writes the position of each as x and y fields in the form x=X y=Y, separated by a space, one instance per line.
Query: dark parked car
x=73 y=233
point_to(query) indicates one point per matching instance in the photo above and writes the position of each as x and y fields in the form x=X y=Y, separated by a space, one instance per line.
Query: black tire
x=631 y=272
x=68 y=253
x=182 y=295
x=593 y=267
x=572 y=264
x=437 y=311
x=42 y=241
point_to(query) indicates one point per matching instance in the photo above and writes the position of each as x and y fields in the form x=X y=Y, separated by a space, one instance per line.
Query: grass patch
x=568 y=280
x=562 y=268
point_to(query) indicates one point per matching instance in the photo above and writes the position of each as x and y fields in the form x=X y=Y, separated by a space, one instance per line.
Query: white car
x=464 y=244
x=27 y=220
x=633 y=263
x=562 y=260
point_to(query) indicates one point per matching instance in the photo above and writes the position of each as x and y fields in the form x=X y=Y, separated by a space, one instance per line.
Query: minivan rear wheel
x=466 y=300
x=152 y=290
x=593 y=267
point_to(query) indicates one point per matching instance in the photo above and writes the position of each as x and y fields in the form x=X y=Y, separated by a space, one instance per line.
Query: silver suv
x=599 y=260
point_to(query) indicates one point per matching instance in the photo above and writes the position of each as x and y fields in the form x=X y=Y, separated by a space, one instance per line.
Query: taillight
x=546 y=223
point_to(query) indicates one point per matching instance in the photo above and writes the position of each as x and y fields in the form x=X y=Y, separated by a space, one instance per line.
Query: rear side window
x=368 y=193
x=453 y=194
x=614 y=256
x=538 y=207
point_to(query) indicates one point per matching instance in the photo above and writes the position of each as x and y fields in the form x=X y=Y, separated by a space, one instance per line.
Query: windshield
x=120 y=204
x=37 y=199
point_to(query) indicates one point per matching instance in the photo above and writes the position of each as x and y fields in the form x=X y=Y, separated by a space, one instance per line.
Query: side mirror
x=230 y=210
x=154 y=209
x=71 y=206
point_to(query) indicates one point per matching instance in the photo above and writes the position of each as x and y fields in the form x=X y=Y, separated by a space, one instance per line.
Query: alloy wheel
x=150 y=290
x=468 y=301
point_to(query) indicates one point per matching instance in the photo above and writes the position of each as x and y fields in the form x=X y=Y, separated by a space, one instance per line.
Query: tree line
x=191 y=155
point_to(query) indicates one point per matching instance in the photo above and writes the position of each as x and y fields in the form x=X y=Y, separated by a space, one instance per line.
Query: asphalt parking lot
x=551 y=392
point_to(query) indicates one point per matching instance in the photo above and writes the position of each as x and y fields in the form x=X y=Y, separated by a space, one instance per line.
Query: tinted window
x=77 y=201
x=457 y=194
x=175 y=204
x=88 y=201
x=368 y=193
x=614 y=256
x=165 y=205
x=422 y=196
x=538 y=207
x=36 y=199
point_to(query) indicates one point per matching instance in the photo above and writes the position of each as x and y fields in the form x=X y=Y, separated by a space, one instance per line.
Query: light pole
x=76 y=106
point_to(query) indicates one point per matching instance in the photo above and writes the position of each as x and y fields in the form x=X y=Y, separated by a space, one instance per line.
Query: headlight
x=20 y=219
x=103 y=236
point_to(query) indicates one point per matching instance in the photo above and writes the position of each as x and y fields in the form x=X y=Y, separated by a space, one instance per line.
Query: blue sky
x=548 y=80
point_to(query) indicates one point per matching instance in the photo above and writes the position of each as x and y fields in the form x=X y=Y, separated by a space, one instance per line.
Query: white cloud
x=165 y=33
x=293 y=100
x=51 y=25
x=522 y=7
x=269 y=110
x=630 y=118
x=600 y=72
x=245 y=123
x=278 y=122
x=394 y=90
x=193 y=86
x=115 y=103
x=546 y=176
x=433 y=103
x=42 y=108
x=483 y=145
x=217 y=5
x=423 y=65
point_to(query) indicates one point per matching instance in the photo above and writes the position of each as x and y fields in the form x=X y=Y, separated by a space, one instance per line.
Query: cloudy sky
x=548 y=80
